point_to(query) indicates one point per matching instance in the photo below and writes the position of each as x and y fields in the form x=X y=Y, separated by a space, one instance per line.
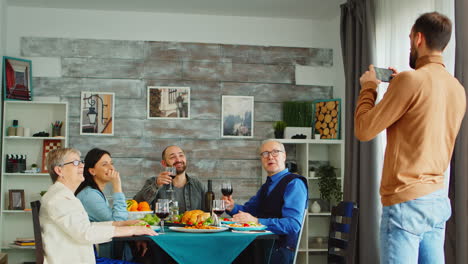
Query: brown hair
x=436 y=28
x=56 y=158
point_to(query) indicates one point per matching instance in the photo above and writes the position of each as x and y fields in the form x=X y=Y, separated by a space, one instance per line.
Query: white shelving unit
x=37 y=116
x=316 y=224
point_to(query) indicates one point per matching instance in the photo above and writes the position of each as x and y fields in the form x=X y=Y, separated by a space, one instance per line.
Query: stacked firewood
x=326 y=119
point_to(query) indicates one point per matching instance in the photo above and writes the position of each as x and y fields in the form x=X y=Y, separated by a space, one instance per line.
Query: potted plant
x=34 y=167
x=329 y=185
x=298 y=116
x=279 y=127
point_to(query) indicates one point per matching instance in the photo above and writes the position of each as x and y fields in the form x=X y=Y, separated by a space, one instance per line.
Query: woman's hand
x=122 y=231
x=115 y=180
x=228 y=202
x=127 y=223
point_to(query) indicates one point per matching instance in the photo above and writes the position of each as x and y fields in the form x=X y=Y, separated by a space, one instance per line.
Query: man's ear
x=164 y=163
x=419 y=38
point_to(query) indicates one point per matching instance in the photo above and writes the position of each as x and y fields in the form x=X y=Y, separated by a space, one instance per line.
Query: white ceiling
x=307 y=9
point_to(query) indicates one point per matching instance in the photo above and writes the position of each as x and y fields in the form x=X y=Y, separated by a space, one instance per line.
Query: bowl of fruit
x=137 y=210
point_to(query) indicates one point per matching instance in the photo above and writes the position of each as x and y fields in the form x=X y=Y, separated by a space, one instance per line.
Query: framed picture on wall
x=327 y=118
x=168 y=102
x=16 y=200
x=47 y=146
x=237 y=116
x=97 y=114
x=17 y=83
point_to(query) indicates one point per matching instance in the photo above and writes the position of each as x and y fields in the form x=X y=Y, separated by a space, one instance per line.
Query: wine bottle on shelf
x=209 y=197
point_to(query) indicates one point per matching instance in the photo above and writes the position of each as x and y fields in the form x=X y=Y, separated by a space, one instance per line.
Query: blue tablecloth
x=206 y=248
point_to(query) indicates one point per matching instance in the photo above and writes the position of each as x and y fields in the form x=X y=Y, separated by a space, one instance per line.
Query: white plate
x=188 y=230
x=249 y=228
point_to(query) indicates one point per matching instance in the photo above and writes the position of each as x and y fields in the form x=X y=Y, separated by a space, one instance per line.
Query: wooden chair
x=299 y=237
x=342 y=235
x=36 y=206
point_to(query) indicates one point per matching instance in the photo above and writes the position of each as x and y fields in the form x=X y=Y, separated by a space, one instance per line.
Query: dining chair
x=296 y=251
x=342 y=234
x=36 y=206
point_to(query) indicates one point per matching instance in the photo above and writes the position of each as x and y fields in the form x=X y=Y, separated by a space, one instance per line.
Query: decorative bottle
x=209 y=197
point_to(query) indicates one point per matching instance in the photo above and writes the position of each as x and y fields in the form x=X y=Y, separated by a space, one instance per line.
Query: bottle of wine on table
x=209 y=197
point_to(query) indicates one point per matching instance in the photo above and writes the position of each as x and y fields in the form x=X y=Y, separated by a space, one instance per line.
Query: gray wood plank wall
x=210 y=70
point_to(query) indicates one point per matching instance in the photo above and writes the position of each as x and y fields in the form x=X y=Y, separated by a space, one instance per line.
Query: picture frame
x=47 y=146
x=16 y=200
x=164 y=102
x=17 y=79
x=97 y=113
x=327 y=118
x=237 y=116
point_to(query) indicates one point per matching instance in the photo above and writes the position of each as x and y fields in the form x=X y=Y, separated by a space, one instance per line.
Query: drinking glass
x=172 y=173
x=226 y=188
x=161 y=209
x=218 y=207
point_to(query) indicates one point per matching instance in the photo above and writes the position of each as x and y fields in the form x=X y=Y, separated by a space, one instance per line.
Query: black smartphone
x=385 y=75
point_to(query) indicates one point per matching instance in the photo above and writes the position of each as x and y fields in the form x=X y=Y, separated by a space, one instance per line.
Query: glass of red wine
x=161 y=209
x=172 y=172
x=218 y=207
x=226 y=188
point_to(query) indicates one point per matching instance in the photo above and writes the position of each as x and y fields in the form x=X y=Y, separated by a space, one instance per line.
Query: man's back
x=420 y=142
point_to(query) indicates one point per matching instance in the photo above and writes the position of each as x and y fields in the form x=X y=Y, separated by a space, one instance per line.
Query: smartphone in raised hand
x=385 y=75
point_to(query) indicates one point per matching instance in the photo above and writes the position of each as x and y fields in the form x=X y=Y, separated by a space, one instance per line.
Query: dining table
x=207 y=247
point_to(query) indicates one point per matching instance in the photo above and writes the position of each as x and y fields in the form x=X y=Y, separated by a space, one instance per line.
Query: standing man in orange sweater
x=422 y=111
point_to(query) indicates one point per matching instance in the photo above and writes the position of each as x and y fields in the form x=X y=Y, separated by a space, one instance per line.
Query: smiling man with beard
x=188 y=191
x=422 y=111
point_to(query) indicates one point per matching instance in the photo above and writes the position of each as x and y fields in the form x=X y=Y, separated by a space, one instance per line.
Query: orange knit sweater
x=422 y=111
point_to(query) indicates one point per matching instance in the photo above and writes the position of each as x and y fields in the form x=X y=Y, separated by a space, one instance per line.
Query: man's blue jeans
x=414 y=231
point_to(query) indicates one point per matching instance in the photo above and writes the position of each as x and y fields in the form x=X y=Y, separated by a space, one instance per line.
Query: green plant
x=298 y=114
x=279 y=125
x=329 y=185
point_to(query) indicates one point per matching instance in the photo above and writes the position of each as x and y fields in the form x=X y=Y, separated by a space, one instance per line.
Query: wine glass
x=218 y=207
x=172 y=172
x=226 y=188
x=161 y=209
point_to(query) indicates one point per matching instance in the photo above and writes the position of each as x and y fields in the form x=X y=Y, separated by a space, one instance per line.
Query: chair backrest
x=342 y=234
x=36 y=206
x=296 y=251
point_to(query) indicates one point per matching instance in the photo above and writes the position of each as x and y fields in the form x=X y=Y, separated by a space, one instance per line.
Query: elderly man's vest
x=271 y=205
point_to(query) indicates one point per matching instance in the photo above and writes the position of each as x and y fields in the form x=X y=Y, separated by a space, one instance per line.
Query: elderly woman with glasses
x=67 y=233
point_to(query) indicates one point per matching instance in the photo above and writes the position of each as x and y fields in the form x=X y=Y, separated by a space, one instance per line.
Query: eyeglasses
x=274 y=153
x=75 y=162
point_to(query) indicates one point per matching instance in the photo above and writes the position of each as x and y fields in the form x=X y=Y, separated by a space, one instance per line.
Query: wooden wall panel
x=127 y=68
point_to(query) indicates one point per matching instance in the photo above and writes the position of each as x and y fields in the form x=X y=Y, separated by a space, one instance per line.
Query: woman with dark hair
x=67 y=234
x=99 y=171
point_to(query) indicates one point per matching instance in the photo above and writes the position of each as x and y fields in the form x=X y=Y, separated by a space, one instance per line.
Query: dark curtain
x=362 y=175
x=456 y=242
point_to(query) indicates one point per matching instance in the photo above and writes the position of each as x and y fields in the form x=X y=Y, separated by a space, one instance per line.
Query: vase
x=315 y=207
x=279 y=134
